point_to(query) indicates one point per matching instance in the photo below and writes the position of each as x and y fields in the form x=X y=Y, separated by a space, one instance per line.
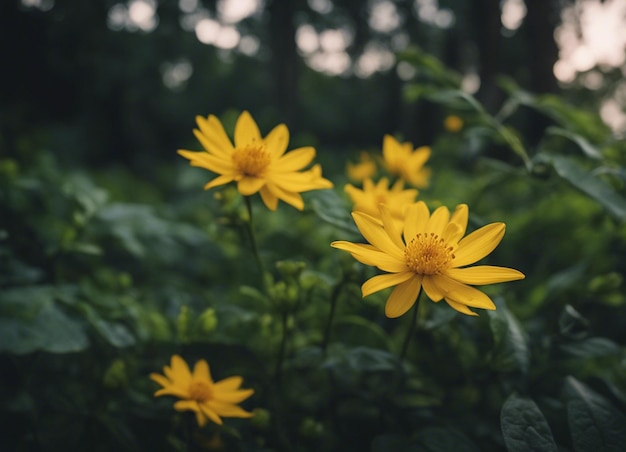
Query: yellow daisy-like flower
x=428 y=253
x=453 y=123
x=199 y=393
x=257 y=164
x=372 y=195
x=404 y=162
x=362 y=170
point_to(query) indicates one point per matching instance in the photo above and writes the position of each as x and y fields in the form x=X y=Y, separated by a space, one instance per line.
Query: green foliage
x=103 y=279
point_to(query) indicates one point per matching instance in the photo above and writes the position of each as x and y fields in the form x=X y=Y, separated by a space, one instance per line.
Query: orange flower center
x=428 y=254
x=251 y=160
x=200 y=391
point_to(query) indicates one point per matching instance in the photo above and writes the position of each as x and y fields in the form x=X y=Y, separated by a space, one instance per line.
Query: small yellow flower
x=362 y=170
x=257 y=164
x=373 y=195
x=453 y=123
x=430 y=253
x=404 y=162
x=199 y=393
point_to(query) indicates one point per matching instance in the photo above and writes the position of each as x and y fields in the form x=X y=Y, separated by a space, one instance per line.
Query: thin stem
x=281 y=350
x=334 y=297
x=253 y=242
x=409 y=335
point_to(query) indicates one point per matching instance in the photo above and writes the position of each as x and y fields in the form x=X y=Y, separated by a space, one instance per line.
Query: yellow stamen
x=200 y=391
x=428 y=254
x=251 y=160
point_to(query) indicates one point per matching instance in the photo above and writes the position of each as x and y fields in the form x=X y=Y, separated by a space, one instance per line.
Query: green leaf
x=510 y=350
x=594 y=423
x=444 y=439
x=50 y=330
x=31 y=320
x=593 y=347
x=588 y=149
x=524 y=427
x=591 y=185
x=330 y=207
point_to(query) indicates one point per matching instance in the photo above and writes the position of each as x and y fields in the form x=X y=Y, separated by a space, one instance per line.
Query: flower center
x=251 y=160
x=200 y=391
x=428 y=254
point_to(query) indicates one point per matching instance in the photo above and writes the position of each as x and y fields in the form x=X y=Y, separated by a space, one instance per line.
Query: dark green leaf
x=444 y=439
x=595 y=424
x=583 y=144
x=330 y=207
x=510 y=344
x=590 y=184
x=524 y=427
x=593 y=347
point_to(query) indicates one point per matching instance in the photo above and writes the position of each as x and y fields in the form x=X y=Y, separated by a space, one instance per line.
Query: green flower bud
x=207 y=322
x=261 y=419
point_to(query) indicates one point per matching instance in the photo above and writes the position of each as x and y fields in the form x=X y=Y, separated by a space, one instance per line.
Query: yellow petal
x=460 y=217
x=246 y=131
x=208 y=412
x=478 y=244
x=175 y=391
x=376 y=235
x=268 y=198
x=433 y=291
x=277 y=140
x=213 y=137
x=389 y=226
x=220 y=180
x=228 y=384
x=233 y=396
x=291 y=198
x=293 y=160
x=202 y=372
x=250 y=185
x=370 y=255
x=299 y=181
x=210 y=162
x=415 y=220
x=179 y=371
x=403 y=297
x=226 y=409
x=160 y=379
x=484 y=274
x=438 y=221
x=461 y=308
x=462 y=293
x=380 y=282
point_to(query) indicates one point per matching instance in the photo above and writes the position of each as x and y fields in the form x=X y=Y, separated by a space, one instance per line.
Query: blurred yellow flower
x=362 y=170
x=404 y=162
x=372 y=195
x=199 y=393
x=257 y=164
x=428 y=253
x=453 y=123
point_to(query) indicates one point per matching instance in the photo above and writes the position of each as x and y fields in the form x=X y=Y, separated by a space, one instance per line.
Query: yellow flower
x=372 y=195
x=428 y=253
x=365 y=169
x=453 y=123
x=402 y=161
x=257 y=164
x=199 y=393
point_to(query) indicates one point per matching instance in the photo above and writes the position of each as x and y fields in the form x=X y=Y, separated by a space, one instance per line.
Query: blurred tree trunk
x=487 y=26
x=284 y=58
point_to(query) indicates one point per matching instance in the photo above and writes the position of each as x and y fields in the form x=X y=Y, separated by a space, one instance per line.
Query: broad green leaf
x=590 y=184
x=593 y=347
x=330 y=207
x=583 y=144
x=510 y=350
x=594 y=423
x=524 y=427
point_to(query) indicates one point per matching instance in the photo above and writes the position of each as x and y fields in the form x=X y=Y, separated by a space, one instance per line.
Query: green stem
x=281 y=350
x=409 y=335
x=253 y=242
x=334 y=297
